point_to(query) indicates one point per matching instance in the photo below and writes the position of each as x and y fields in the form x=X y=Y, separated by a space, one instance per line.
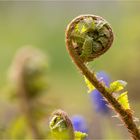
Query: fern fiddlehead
x=28 y=73
x=88 y=37
x=61 y=126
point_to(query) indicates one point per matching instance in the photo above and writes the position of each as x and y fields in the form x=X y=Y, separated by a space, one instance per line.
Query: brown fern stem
x=22 y=93
x=126 y=116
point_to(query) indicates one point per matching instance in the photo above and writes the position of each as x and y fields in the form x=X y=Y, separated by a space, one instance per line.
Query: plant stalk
x=125 y=115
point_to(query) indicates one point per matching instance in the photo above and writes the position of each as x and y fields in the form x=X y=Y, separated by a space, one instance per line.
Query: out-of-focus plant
x=79 y=123
x=29 y=81
x=88 y=37
x=97 y=99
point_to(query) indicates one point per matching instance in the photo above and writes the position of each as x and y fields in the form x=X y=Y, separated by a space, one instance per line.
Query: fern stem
x=18 y=75
x=26 y=108
x=126 y=116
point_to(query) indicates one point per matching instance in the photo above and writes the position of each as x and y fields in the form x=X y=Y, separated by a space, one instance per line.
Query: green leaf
x=85 y=25
x=117 y=85
x=123 y=100
x=89 y=85
x=18 y=129
x=79 y=135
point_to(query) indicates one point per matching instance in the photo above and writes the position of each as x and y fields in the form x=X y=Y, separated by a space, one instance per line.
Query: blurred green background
x=43 y=23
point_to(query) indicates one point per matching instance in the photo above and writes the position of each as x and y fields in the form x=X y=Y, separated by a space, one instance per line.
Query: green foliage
x=57 y=124
x=117 y=86
x=87 y=47
x=61 y=126
x=60 y=135
x=59 y=130
x=90 y=37
x=89 y=85
x=123 y=100
x=85 y=26
x=18 y=129
x=80 y=136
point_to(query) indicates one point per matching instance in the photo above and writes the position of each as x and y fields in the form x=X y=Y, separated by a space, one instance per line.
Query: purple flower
x=97 y=99
x=79 y=123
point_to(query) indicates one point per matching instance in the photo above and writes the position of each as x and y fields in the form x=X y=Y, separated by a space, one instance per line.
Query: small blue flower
x=97 y=99
x=79 y=123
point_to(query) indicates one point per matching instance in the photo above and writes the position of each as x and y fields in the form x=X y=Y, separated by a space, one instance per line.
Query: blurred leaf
x=123 y=100
x=117 y=85
x=80 y=136
x=89 y=85
x=62 y=135
x=18 y=129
